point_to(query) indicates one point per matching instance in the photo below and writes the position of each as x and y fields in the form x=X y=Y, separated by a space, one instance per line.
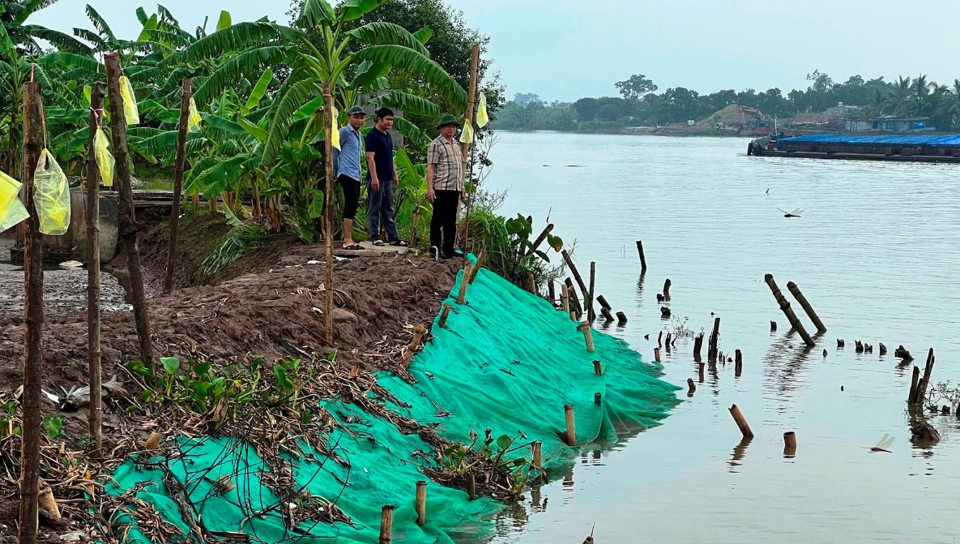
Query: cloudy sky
x=567 y=49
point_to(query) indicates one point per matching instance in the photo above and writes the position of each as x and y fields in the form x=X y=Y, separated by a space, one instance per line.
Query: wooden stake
x=33 y=319
x=656 y=354
x=536 y=243
x=821 y=328
x=565 y=299
x=925 y=382
x=471 y=102
x=691 y=387
x=574 y=300
x=444 y=315
x=328 y=212
x=643 y=259
x=738 y=364
x=603 y=303
x=127 y=221
x=537 y=448
x=666 y=289
x=532 y=283
x=669 y=338
x=713 y=347
x=48 y=502
x=597 y=398
x=551 y=292
x=421 y=502
x=587 y=335
x=621 y=318
x=94 y=421
x=591 y=314
x=697 y=345
x=700 y=371
x=571 y=425
x=462 y=298
x=185 y=95
x=606 y=314
x=472 y=486
x=913 y=385
x=598 y=368
x=386 y=524
x=787 y=310
x=418 y=333
x=741 y=421
x=576 y=275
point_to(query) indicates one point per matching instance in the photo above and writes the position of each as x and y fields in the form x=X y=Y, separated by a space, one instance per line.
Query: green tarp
x=506 y=361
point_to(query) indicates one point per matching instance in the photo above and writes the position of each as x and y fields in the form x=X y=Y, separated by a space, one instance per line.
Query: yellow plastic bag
x=51 y=196
x=105 y=160
x=482 y=118
x=466 y=137
x=130 y=111
x=193 y=117
x=334 y=131
x=12 y=211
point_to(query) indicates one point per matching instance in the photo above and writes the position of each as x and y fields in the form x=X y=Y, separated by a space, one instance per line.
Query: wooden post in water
x=444 y=315
x=127 y=220
x=821 y=328
x=606 y=314
x=789 y=443
x=571 y=425
x=788 y=311
x=700 y=371
x=741 y=421
x=591 y=314
x=713 y=346
x=738 y=363
x=691 y=387
x=925 y=382
x=462 y=298
x=421 y=502
x=603 y=303
x=643 y=259
x=913 y=385
x=697 y=345
x=656 y=354
x=621 y=319
x=33 y=138
x=94 y=421
x=666 y=289
x=185 y=95
x=386 y=524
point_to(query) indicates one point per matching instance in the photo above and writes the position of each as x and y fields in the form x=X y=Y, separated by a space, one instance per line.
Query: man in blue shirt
x=382 y=180
x=346 y=164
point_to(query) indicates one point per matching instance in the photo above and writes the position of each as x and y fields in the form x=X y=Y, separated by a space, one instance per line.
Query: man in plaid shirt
x=444 y=186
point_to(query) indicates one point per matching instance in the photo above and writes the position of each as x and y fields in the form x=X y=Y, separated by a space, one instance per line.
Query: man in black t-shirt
x=382 y=180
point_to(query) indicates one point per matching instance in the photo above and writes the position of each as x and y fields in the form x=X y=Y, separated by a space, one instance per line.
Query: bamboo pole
x=576 y=275
x=471 y=102
x=94 y=421
x=788 y=311
x=476 y=266
x=185 y=95
x=587 y=335
x=789 y=443
x=571 y=436
x=462 y=297
x=444 y=315
x=33 y=319
x=418 y=333
x=537 y=448
x=536 y=243
x=386 y=525
x=603 y=303
x=598 y=368
x=532 y=283
x=565 y=298
x=741 y=421
x=328 y=211
x=656 y=354
x=551 y=292
x=643 y=259
x=421 y=502
x=472 y=486
x=574 y=301
x=127 y=223
x=606 y=314
x=914 y=383
x=591 y=314
x=807 y=307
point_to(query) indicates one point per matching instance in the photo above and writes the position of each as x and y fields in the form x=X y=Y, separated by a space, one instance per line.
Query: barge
x=936 y=148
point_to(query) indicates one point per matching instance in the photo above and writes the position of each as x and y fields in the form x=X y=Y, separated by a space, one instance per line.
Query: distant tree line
x=641 y=105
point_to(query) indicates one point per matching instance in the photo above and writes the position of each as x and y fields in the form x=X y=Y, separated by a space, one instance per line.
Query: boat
x=934 y=148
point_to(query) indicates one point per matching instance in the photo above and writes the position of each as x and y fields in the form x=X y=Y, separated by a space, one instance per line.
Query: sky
x=568 y=49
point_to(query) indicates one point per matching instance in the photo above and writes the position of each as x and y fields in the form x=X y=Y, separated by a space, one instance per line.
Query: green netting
x=506 y=360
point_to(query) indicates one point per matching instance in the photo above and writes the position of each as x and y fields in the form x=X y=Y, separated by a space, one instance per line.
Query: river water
x=875 y=251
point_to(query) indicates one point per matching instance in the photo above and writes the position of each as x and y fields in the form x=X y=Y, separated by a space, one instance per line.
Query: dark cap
x=356 y=110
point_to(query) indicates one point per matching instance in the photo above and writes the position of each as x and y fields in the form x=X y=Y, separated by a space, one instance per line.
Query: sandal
x=378 y=242
x=353 y=247
x=399 y=243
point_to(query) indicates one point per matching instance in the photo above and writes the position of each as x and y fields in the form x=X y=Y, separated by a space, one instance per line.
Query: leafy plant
x=52 y=425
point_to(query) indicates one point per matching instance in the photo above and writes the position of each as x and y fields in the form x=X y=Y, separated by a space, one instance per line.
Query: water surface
x=876 y=253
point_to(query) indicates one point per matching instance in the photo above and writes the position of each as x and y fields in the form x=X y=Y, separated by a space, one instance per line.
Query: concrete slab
x=369 y=250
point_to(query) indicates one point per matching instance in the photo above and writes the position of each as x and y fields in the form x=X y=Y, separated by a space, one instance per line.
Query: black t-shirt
x=381 y=145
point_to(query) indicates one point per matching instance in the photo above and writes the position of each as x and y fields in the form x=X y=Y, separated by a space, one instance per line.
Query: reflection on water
x=877 y=255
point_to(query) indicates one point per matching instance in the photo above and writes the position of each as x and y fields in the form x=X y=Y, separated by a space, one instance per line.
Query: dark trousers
x=381 y=211
x=351 y=196
x=444 y=221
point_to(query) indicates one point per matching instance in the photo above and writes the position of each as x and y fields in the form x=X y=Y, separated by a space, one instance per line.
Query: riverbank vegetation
x=640 y=103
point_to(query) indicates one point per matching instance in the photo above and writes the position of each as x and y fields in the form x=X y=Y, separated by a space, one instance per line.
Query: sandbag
x=51 y=196
x=12 y=210
x=130 y=111
x=105 y=160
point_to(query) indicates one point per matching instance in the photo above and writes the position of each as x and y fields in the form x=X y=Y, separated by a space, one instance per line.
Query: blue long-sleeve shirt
x=347 y=160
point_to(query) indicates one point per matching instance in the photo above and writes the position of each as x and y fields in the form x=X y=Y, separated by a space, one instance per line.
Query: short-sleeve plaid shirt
x=448 y=164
